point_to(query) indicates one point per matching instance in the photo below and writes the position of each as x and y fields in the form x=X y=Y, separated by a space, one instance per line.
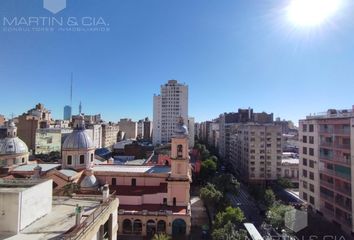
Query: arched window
x=69 y=160
x=82 y=159
x=179 y=151
x=137 y=226
x=150 y=228
x=161 y=226
x=127 y=226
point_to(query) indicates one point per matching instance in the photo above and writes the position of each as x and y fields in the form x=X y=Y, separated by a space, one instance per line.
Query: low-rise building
x=29 y=211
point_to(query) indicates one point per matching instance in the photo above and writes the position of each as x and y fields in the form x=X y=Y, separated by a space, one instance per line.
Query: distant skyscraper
x=80 y=108
x=68 y=108
x=171 y=104
x=67 y=112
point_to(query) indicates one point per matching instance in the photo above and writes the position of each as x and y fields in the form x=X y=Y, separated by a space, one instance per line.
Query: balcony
x=335 y=145
x=334 y=173
x=327 y=184
x=345 y=191
x=327 y=197
x=345 y=132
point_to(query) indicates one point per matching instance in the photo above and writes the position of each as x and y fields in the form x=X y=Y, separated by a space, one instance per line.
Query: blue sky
x=232 y=54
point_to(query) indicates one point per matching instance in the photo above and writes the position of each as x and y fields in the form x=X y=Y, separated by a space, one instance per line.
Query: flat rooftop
x=30 y=167
x=17 y=185
x=59 y=221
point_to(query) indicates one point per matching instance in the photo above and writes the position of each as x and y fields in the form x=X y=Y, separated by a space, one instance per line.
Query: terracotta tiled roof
x=154 y=208
x=138 y=190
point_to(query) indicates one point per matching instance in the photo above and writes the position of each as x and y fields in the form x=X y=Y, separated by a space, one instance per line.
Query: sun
x=310 y=13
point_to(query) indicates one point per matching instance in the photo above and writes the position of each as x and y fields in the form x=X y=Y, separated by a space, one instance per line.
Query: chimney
x=105 y=192
x=78 y=215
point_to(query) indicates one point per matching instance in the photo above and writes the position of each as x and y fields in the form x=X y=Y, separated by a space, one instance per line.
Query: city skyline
x=231 y=55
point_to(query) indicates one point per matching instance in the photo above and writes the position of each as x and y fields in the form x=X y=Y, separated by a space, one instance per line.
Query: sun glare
x=309 y=13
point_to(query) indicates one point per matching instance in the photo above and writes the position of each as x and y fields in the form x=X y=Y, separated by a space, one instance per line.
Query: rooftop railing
x=79 y=231
x=332 y=113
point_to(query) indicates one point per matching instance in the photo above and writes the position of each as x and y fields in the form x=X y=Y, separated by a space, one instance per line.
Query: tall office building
x=326 y=165
x=171 y=104
x=67 y=112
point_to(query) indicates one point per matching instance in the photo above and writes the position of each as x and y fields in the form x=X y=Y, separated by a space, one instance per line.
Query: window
x=311 y=128
x=304 y=161
x=312 y=200
x=312 y=188
x=114 y=181
x=179 y=151
x=311 y=151
x=311 y=139
x=82 y=159
x=134 y=182
x=91 y=157
x=304 y=173
x=174 y=201
x=312 y=163
x=304 y=139
x=165 y=201
x=304 y=184
x=304 y=195
x=312 y=176
x=304 y=150
x=69 y=160
x=304 y=128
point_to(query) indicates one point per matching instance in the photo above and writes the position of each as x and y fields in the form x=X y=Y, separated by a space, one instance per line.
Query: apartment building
x=129 y=127
x=326 y=153
x=28 y=123
x=191 y=131
x=171 y=104
x=256 y=152
x=109 y=134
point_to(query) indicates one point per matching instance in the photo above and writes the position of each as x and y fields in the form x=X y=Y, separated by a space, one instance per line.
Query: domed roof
x=78 y=139
x=181 y=129
x=89 y=182
x=12 y=146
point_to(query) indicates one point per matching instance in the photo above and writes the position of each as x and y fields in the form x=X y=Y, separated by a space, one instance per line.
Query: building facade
x=171 y=104
x=326 y=165
x=28 y=123
x=129 y=127
x=109 y=134
x=191 y=131
x=256 y=152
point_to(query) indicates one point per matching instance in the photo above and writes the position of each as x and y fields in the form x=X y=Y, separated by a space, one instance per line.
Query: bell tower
x=180 y=177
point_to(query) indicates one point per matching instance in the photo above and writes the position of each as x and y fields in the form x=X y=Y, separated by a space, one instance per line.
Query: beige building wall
x=309 y=186
x=129 y=127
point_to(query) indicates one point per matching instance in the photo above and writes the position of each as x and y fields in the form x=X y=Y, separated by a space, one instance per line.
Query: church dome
x=181 y=129
x=89 y=181
x=78 y=139
x=12 y=146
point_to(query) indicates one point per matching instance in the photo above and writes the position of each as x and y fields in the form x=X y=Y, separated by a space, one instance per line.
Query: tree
x=228 y=232
x=214 y=158
x=208 y=169
x=284 y=183
x=161 y=236
x=226 y=183
x=269 y=198
x=205 y=154
x=231 y=214
x=276 y=215
x=210 y=196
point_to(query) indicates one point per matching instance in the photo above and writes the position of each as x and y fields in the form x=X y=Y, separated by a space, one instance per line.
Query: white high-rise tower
x=169 y=106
